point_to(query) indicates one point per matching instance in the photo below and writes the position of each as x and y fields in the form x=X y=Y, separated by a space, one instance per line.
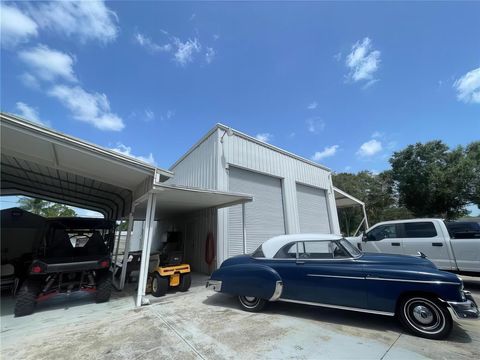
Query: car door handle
x=437 y=244
x=299 y=262
x=395 y=244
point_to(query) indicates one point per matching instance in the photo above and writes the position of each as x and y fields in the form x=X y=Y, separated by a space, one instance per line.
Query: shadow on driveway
x=369 y=322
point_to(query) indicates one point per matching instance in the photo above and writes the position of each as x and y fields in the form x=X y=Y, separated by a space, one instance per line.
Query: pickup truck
x=431 y=237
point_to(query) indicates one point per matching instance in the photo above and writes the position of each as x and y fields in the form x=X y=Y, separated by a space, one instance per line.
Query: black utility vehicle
x=74 y=254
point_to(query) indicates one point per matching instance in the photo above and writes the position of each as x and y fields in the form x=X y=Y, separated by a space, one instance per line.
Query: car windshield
x=347 y=245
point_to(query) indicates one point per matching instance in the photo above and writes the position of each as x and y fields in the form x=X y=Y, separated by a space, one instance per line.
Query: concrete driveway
x=201 y=324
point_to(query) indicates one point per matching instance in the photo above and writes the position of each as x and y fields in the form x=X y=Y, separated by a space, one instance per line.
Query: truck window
x=383 y=232
x=420 y=230
x=463 y=230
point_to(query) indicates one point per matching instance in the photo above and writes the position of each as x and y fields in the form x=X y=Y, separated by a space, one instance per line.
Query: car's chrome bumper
x=215 y=285
x=465 y=310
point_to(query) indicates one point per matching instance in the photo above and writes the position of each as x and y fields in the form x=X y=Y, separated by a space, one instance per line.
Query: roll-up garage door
x=264 y=216
x=312 y=210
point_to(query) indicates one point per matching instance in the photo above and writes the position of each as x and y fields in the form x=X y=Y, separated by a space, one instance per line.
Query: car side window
x=420 y=230
x=383 y=232
x=320 y=250
x=288 y=251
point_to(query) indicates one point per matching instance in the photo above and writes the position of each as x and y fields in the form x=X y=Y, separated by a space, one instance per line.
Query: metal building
x=290 y=194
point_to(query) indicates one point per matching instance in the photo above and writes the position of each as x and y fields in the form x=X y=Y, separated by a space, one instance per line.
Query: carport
x=40 y=162
x=166 y=202
x=344 y=200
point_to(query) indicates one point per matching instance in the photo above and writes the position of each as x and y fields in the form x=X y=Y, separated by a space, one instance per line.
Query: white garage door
x=264 y=216
x=312 y=210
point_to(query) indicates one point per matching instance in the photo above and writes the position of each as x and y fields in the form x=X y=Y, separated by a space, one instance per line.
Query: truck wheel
x=104 y=288
x=185 y=282
x=425 y=317
x=27 y=297
x=251 y=303
x=159 y=285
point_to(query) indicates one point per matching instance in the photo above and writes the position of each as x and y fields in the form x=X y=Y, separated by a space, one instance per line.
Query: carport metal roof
x=342 y=199
x=173 y=200
x=40 y=162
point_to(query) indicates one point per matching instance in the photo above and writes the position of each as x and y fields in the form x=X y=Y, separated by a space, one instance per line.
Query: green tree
x=45 y=208
x=376 y=191
x=433 y=180
x=472 y=153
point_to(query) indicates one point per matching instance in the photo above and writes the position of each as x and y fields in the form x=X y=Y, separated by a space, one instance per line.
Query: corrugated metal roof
x=44 y=163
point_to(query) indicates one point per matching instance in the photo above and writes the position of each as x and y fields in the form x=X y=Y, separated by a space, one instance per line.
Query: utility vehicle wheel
x=27 y=297
x=104 y=288
x=159 y=285
x=185 y=282
x=425 y=317
x=251 y=303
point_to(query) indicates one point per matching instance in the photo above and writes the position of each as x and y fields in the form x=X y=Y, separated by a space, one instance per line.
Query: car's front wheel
x=425 y=317
x=251 y=303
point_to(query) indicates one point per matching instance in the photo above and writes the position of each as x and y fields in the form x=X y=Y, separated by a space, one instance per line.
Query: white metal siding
x=199 y=168
x=264 y=216
x=312 y=210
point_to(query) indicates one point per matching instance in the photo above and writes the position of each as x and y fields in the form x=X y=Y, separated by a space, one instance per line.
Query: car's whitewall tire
x=251 y=303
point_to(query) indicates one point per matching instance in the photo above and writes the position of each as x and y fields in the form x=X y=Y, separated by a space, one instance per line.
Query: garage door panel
x=264 y=216
x=312 y=210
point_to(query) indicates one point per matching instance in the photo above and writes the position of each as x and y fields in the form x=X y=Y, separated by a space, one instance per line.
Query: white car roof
x=271 y=246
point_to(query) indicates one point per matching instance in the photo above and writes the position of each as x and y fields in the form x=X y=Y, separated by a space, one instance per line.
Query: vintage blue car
x=327 y=270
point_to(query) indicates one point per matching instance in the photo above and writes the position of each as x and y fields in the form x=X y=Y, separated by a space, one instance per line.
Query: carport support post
x=244 y=233
x=147 y=242
x=126 y=251
x=365 y=216
x=117 y=244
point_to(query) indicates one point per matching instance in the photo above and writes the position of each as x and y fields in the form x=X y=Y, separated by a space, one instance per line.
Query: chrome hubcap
x=250 y=298
x=422 y=314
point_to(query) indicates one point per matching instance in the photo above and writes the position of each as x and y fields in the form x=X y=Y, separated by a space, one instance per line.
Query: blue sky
x=343 y=84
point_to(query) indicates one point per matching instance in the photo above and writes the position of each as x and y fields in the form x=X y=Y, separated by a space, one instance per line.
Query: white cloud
x=327 y=152
x=87 y=20
x=92 y=108
x=312 y=106
x=15 y=26
x=168 y=115
x=209 y=55
x=216 y=37
x=377 y=134
x=338 y=56
x=29 y=113
x=468 y=87
x=370 y=148
x=185 y=51
x=347 y=168
x=363 y=61
x=149 y=115
x=265 y=137
x=147 y=43
x=29 y=81
x=127 y=150
x=49 y=64
x=315 y=125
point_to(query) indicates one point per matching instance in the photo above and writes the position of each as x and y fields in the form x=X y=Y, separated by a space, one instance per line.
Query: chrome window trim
x=339 y=307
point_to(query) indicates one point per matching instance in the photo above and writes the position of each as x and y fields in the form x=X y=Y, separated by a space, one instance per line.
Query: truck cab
x=428 y=236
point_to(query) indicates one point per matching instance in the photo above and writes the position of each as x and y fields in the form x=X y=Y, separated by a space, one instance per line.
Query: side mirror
x=364 y=237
